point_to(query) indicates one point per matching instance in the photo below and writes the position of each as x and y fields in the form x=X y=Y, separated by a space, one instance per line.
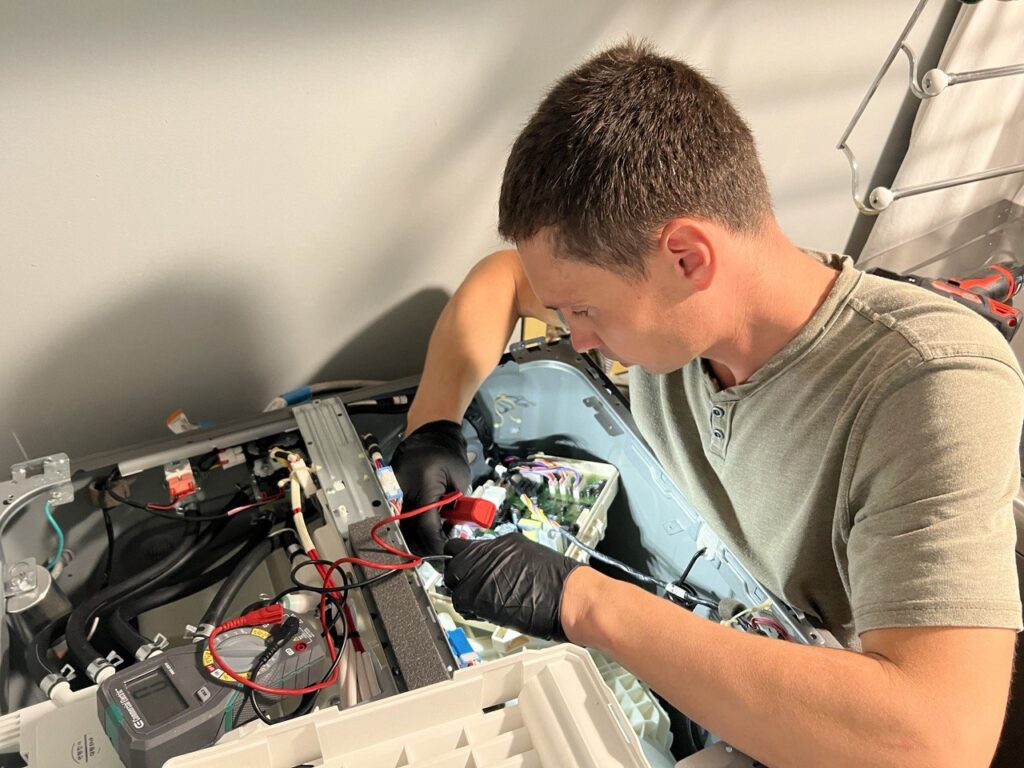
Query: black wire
x=109 y=566
x=307 y=699
x=321 y=590
x=164 y=513
x=692 y=599
x=689 y=565
x=284 y=593
x=353 y=585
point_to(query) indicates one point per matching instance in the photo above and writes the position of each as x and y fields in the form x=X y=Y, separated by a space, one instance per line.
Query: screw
x=19 y=578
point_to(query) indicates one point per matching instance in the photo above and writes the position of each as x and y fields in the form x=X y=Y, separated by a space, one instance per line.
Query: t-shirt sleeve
x=935 y=471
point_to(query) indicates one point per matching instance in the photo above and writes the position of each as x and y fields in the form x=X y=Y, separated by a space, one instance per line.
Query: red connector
x=269 y=614
x=472 y=511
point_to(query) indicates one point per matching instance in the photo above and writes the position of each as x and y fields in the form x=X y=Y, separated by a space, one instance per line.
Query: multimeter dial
x=182 y=700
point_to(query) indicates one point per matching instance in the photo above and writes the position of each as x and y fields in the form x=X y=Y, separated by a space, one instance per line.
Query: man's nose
x=583 y=341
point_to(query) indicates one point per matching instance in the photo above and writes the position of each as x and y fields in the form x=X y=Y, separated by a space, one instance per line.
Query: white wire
x=351 y=680
x=362 y=681
x=343 y=677
x=300 y=523
x=732 y=620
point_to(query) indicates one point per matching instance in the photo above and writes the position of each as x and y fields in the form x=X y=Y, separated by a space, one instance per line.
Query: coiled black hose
x=37 y=654
x=233 y=584
x=119 y=622
x=81 y=650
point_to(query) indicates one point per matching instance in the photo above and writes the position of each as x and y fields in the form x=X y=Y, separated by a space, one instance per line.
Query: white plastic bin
x=538 y=709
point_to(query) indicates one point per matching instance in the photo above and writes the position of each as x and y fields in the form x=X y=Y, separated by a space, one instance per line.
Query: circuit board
x=536 y=495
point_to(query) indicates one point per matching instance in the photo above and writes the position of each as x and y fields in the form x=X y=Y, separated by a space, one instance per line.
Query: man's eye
x=579 y=312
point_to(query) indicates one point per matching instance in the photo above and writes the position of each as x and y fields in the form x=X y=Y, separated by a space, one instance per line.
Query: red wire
x=235 y=511
x=256 y=617
x=768 y=621
x=260 y=503
x=413 y=560
x=251 y=620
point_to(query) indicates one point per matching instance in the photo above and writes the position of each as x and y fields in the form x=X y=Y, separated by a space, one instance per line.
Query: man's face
x=636 y=321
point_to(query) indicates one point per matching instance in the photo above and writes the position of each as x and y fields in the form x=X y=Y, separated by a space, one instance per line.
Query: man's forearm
x=785 y=704
x=467 y=342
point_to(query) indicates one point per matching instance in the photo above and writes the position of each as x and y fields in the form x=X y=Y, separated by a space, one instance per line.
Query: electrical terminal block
x=180 y=479
x=230 y=457
x=464 y=653
x=389 y=483
x=493 y=493
x=462 y=648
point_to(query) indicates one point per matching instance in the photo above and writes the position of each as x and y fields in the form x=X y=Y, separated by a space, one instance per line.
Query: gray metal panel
x=354 y=502
x=993 y=235
x=155 y=453
x=349 y=488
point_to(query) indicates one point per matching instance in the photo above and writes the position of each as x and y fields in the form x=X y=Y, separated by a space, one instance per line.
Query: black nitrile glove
x=429 y=463
x=511 y=581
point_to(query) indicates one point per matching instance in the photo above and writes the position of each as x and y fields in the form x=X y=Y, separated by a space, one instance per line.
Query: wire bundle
x=552 y=471
x=299 y=482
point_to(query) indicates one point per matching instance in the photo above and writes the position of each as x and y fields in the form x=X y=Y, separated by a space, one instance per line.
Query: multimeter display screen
x=156 y=697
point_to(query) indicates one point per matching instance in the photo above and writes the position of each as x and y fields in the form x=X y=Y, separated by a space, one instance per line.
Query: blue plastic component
x=298 y=395
x=464 y=652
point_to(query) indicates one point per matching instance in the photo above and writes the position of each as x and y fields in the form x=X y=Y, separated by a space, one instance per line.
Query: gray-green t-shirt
x=866 y=473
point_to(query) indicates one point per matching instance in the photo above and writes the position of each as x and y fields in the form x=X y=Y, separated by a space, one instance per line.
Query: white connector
x=302 y=473
x=389 y=484
x=231 y=457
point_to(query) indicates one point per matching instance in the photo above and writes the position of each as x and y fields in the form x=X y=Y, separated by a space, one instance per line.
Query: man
x=852 y=439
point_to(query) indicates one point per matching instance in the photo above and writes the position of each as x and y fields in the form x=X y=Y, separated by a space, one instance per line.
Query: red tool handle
x=1005 y=318
x=995 y=281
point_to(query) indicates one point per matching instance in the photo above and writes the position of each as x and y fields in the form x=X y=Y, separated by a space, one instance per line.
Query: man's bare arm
x=916 y=697
x=471 y=335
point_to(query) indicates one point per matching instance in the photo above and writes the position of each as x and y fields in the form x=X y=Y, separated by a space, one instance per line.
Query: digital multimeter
x=180 y=701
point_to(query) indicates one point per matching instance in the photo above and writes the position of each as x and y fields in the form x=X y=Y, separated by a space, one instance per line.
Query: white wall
x=206 y=203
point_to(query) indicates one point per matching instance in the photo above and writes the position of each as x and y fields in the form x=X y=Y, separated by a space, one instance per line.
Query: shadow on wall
x=461 y=160
x=87 y=391
x=391 y=346
x=195 y=339
x=111 y=380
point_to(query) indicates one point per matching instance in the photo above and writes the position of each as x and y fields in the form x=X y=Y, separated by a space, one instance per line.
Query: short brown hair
x=622 y=144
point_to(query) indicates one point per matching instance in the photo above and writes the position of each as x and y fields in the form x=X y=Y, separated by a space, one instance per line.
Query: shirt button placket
x=718 y=424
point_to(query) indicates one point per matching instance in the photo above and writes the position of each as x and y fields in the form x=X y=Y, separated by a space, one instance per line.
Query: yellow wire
x=536 y=511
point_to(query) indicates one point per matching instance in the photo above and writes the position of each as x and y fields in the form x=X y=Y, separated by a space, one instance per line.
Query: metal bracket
x=527 y=345
x=28 y=478
x=935 y=81
x=349 y=488
x=606 y=420
x=931 y=84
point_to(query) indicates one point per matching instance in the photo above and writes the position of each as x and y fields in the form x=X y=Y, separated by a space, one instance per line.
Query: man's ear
x=690 y=246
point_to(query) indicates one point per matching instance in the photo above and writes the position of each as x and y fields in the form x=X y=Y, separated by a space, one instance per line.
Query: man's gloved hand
x=511 y=581
x=429 y=463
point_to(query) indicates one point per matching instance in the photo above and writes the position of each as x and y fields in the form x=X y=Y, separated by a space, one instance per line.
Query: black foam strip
x=418 y=642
